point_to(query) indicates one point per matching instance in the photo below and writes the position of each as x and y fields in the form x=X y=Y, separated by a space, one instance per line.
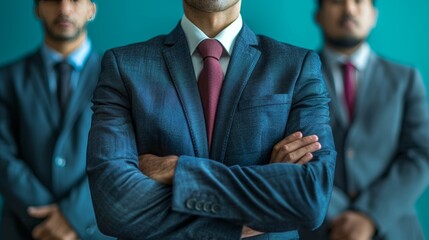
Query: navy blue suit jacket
x=147 y=101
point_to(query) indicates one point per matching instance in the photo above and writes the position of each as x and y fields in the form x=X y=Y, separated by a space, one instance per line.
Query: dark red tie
x=349 y=75
x=64 y=71
x=210 y=82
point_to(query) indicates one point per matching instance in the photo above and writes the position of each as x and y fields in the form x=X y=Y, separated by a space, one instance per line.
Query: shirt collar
x=359 y=58
x=77 y=58
x=227 y=37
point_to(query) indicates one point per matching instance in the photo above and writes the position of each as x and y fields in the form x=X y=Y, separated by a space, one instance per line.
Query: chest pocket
x=264 y=102
x=258 y=124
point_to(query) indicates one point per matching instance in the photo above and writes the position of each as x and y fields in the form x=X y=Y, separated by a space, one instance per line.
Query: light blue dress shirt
x=76 y=59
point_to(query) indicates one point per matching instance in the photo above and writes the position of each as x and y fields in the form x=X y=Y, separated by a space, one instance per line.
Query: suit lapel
x=241 y=65
x=364 y=90
x=180 y=67
x=38 y=77
x=338 y=110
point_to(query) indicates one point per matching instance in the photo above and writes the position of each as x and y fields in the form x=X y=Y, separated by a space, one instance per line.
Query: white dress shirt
x=195 y=36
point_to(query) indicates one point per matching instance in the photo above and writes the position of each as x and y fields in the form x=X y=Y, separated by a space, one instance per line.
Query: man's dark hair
x=320 y=2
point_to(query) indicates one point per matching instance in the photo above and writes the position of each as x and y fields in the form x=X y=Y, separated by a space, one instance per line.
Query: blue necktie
x=64 y=71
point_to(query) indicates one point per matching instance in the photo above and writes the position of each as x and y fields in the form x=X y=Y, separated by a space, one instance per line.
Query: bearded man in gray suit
x=380 y=120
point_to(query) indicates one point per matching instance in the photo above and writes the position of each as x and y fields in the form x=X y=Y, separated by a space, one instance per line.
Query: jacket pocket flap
x=262 y=101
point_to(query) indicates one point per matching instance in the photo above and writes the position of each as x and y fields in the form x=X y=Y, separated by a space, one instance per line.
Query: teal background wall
x=402 y=33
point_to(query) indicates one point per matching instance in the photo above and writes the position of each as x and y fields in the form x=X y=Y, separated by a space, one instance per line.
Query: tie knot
x=210 y=48
x=348 y=66
x=63 y=66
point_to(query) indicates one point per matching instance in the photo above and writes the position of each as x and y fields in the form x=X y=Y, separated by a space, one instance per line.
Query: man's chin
x=64 y=37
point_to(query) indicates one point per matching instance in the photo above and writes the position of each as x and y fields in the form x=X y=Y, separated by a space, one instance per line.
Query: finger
x=40 y=231
x=306 y=153
x=41 y=212
x=293 y=137
x=305 y=159
x=292 y=152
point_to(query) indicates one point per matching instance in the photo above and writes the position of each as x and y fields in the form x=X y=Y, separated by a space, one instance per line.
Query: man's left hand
x=55 y=225
x=352 y=225
x=160 y=169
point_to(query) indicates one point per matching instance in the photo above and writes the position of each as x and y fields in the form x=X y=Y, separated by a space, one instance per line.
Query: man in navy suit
x=382 y=138
x=44 y=125
x=154 y=171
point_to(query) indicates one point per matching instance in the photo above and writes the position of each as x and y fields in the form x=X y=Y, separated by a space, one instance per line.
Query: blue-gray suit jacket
x=147 y=101
x=42 y=158
x=383 y=155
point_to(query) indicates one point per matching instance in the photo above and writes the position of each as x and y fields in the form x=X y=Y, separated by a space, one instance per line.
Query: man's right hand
x=295 y=148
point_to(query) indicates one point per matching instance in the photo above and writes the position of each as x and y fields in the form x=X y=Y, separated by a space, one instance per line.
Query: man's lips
x=348 y=22
x=64 y=23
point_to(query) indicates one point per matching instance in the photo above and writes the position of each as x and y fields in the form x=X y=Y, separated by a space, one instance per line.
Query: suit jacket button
x=199 y=205
x=60 y=162
x=215 y=208
x=207 y=206
x=190 y=204
x=90 y=230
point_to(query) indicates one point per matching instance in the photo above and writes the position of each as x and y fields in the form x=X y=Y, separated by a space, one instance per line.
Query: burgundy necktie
x=64 y=71
x=349 y=75
x=210 y=81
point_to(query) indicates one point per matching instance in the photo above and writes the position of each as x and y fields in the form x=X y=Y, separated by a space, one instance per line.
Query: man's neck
x=65 y=48
x=212 y=23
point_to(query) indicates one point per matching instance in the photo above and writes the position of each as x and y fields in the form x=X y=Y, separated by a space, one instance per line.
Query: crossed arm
x=295 y=149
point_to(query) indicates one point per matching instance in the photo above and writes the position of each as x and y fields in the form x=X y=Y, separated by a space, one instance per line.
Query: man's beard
x=344 y=42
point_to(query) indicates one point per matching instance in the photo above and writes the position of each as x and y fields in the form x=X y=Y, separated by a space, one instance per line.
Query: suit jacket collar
x=241 y=65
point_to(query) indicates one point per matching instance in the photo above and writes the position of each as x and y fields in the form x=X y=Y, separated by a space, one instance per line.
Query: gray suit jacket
x=383 y=155
x=42 y=158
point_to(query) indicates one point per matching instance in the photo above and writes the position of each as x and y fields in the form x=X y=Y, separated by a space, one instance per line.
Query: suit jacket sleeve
x=409 y=166
x=276 y=197
x=18 y=184
x=79 y=212
x=128 y=204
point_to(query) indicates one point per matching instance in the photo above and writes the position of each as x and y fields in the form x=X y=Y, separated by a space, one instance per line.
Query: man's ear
x=375 y=17
x=93 y=12
x=36 y=11
x=317 y=17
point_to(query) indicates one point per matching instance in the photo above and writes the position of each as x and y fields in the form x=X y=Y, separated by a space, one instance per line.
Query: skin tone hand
x=55 y=226
x=160 y=169
x=352 y=225
x=294 y=149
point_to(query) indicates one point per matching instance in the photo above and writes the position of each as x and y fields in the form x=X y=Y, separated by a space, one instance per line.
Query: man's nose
x=66 y=6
